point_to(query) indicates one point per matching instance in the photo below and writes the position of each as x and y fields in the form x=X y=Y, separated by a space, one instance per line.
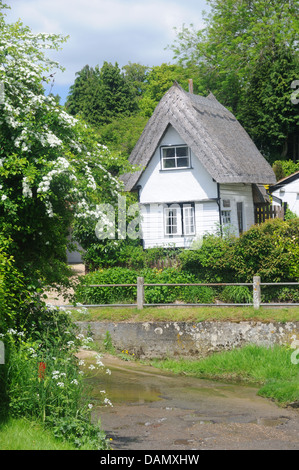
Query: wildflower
x=91 y=367
x=75 y=382
x=107 y=402
x=60 y=384
x=90 y=406
x=41 y=370
x=108 y=371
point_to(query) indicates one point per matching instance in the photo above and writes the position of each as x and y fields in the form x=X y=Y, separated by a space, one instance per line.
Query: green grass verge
x=21 y=434
x=269 y=368
x=194 y=314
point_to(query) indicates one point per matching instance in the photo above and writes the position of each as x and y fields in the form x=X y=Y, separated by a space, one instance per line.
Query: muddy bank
x=161 y=411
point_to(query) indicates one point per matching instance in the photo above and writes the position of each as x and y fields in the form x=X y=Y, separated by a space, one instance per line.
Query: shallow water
x=159 y=410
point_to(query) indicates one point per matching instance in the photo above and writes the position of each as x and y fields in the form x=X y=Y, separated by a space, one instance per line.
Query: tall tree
x=100 y=95
x=161 y=77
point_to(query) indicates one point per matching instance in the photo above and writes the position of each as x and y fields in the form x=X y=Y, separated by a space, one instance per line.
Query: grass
x=269 y=368
x=21 y=434
x=183 y=313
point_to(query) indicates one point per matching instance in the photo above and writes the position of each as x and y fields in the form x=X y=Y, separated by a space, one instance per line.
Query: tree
x=101 y=95
x=244 y=44
x=160 y=78
x=83 y=94
x=52 y=169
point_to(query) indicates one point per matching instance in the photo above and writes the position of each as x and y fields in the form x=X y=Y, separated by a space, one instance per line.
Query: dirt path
x=56 y=298
x=156 y=411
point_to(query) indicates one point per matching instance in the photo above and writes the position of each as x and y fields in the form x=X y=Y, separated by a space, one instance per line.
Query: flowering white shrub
x=52 y=167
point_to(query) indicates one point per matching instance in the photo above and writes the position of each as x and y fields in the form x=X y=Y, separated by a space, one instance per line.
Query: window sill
x=175 y=169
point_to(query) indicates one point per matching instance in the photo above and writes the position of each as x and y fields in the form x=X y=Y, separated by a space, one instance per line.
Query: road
x=153 y=410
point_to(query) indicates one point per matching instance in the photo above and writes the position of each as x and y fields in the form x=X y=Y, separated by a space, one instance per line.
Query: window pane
x=169 y=152
x=169 y=163
x=226 y=219
x=182 y=151
x=183 y=162
x=171 y=221
x=175 y=157
x=189 y=222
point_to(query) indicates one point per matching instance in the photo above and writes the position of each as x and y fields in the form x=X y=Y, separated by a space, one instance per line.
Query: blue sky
x=119 y=31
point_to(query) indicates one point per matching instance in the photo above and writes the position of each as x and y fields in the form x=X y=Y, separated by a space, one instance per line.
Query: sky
x=116 y=31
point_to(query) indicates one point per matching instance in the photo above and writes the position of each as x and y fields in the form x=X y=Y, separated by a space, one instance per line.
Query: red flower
x=41 y=370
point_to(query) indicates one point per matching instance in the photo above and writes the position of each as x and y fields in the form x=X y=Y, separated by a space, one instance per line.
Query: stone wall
x=188 y=339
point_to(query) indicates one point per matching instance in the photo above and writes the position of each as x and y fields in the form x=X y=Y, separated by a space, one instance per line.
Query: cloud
x=119 y=31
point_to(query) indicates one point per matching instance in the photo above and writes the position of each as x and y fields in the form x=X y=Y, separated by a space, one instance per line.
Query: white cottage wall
x=241 y=193
x=289 y=193
x=177 y=185
x=158 y=187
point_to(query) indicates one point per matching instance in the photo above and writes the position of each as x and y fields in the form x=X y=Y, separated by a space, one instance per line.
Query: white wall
x=206 y=221
x=238 y=193
x=170 y=185
x=289 y=193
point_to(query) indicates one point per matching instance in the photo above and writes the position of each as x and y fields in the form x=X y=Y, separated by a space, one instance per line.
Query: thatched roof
x=212 y=132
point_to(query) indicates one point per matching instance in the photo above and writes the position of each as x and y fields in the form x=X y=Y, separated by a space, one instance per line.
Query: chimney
x=190 y=81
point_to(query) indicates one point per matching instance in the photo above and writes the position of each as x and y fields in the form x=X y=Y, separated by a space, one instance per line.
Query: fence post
x=256 y=292
x=140 y=292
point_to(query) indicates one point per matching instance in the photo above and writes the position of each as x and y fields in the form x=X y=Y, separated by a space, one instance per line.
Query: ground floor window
x=179 y=220
x=226 y=217
x=171 y=221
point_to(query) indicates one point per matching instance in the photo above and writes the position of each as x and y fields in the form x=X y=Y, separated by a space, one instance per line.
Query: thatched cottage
x=198 y=171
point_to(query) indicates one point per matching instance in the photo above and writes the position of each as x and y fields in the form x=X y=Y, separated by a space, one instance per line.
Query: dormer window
x=175 y=157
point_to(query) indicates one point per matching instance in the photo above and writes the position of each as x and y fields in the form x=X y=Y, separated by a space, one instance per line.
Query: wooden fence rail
x=140 y=300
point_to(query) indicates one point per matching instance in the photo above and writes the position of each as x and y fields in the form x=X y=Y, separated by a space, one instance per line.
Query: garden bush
x=153 y=294
x=212 y=261
x=270 y=250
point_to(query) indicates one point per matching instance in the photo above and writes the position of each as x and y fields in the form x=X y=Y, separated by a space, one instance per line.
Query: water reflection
x=123 y=387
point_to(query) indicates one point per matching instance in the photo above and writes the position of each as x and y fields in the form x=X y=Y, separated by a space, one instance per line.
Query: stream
x=158 y=410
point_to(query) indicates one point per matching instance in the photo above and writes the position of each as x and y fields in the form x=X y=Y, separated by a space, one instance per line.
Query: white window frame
x=183 y=220
x=175 y=157
x=226 y=217
x=172 y=221
x=189 y=220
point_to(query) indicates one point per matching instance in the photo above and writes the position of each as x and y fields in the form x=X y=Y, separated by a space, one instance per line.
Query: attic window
x=174 y=157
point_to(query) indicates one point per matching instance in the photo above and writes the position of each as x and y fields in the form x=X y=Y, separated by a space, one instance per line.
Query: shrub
x=212 y=261
x=270 y=250
x=153 y=294
x=107 y=295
